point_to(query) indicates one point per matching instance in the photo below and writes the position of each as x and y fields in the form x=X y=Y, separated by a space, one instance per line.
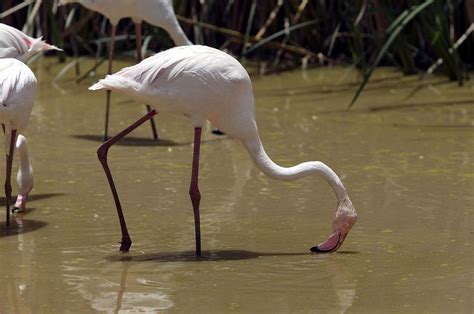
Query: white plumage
x=16 y=44
x=199 y=82
x=18 y=88
x=204 y=83
x=155 y=12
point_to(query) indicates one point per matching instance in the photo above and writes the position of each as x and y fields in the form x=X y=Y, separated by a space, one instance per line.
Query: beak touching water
x=346 y=217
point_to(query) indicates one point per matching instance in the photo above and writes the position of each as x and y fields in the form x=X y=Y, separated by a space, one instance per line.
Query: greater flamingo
x=17 y=96
x=203 y=83
x=156 y=12
x=16 y=44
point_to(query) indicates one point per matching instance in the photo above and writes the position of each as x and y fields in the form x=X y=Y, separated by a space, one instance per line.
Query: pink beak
x=20 y=203
x=332 y=243
x=346 y=217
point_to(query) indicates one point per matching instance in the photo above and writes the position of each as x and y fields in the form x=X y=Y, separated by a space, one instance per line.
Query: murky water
x=405 y=153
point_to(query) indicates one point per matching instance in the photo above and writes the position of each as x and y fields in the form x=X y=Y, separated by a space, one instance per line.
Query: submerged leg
x=102 y=155
x=9 y=162
x=138 y=36
x=194 y=190
x=109 y=93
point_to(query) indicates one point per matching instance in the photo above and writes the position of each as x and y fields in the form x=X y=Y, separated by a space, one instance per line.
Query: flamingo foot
x=125 y=244
x=346 y=217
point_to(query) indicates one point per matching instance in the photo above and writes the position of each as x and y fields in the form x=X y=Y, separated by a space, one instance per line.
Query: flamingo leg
x=102 y=155
x=109 y=93
x=194 y=189
x=9 y=162
x=138 y=36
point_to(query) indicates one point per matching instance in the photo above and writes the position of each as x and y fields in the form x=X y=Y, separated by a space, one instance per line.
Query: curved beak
x=346 y=217
x=332 y=243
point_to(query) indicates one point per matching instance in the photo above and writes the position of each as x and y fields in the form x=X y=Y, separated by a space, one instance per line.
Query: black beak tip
x=316 y=249
x=216 y=131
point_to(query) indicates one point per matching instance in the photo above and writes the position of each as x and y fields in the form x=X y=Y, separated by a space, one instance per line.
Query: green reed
x=408 y=34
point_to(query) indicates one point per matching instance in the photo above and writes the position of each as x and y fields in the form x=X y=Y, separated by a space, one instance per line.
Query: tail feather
x=117 y=83
x=38 y=44
x=123 y=85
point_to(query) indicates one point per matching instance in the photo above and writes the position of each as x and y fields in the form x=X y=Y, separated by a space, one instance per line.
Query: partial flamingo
x=17 y=95
x=16 y=44
x=203 y=83
x=156 y=12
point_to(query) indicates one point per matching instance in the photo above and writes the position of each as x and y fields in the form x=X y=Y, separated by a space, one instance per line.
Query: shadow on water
x=345 y=87
x=32 y=197
x=131 y=141
x=20 y=226
x=207 y=256
x=398 y=106
x=416 y=105
x=143 y=141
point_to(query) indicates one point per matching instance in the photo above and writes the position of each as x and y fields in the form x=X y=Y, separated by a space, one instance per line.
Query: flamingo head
x=20 y=203
x=346 y=217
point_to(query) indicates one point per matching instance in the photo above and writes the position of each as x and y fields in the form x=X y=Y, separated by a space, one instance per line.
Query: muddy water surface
x=405 y=153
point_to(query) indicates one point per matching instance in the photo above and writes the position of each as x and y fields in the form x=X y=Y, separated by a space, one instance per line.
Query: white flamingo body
x=198 y=82
x=159 y=13
x=16 y=44
x=18 y=88
x=18 y=93
x=204 y=83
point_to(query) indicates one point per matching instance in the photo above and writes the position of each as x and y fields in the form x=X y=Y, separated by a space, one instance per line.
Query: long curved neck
x=22 y=148
x=271 y=169
x=25 y=173
x=179 y=37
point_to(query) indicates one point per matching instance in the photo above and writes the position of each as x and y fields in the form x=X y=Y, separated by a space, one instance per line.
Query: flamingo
x=17 y=95
x=204 y=83
x=156 y=12
x=16 y=44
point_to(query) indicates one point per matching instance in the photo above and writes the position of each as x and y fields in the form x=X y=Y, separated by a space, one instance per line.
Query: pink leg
x=194 y=190
x=9 y=162
x=109 y=93
x=138 y=36
x=102 y=155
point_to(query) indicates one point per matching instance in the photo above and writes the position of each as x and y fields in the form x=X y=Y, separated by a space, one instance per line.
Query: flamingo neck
x=271 y=169
x=23 y=152
x=25 y=173
x=179 y=37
